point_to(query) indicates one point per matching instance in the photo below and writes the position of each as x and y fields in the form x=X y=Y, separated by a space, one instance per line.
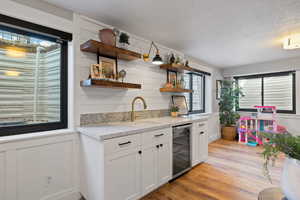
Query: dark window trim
x=14 y=22
x=262 y=76
x=191 y=111
x=31 y=128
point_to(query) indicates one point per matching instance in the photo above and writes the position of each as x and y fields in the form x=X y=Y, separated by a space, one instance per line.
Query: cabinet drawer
x=158 y=136
x=121 y=143
x=201 y=126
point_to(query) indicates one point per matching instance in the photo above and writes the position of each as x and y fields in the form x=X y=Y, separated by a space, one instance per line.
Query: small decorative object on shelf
x=186 y=63
x=172 y=59
x=168 y=85
x=107 y=36
x=174 y=111
x=172 y=78
x=124 y=40
x=122 y=74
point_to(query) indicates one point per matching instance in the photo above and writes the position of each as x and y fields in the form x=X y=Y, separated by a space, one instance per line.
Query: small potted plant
x=124 y=40
x=174 y=111
x=228 y=106
x=290 y=146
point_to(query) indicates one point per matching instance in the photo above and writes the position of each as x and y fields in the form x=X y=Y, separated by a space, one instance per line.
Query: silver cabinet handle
x=122 y=144
x=159 y=135
x=201 y=125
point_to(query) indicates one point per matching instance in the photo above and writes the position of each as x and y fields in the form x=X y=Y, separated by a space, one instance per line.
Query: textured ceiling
x=223 y=33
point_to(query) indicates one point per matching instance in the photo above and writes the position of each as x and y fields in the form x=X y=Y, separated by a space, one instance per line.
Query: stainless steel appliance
x=181 y=149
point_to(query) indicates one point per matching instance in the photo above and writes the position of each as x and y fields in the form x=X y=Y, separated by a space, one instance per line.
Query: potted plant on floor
x=290 y=146
x=228 y=106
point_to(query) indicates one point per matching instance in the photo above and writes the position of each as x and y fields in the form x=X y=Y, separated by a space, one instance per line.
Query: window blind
x=276 y=89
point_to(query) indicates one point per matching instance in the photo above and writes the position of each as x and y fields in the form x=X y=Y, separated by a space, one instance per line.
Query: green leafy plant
x=229 y=102
x=124 y=38
x=174 y=109
x=279 y=143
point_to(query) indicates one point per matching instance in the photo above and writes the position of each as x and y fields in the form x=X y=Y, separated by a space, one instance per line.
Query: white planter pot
x=290 y=180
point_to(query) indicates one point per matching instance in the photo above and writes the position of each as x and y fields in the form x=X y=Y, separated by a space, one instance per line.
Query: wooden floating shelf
x=97 y=47
x=109 y=84
x=181 y=68
x=175 y=90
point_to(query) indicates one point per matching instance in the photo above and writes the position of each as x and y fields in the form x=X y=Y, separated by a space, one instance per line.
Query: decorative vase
x=290 y=179
x=174 y=114
x=229 y=133
x=107 y=36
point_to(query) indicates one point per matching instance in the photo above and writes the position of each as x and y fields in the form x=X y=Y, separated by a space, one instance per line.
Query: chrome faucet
x=132 y=106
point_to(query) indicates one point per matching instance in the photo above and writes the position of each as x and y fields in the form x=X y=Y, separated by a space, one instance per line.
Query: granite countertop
x=117 y=129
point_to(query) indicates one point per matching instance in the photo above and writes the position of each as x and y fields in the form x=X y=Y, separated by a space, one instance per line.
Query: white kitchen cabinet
x=132 y=166
x=149 y=169
x=122 y=175
x=164 y=163
x=156 y=159
x=199 y=142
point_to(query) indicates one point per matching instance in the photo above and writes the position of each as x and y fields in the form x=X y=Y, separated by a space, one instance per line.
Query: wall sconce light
x=292 y=42
x=157 y=60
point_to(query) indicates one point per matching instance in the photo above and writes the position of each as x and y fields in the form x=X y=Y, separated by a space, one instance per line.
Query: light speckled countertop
x=112 y=130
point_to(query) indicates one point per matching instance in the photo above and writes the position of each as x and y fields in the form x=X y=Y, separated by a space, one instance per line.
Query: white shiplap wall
x=99 y=100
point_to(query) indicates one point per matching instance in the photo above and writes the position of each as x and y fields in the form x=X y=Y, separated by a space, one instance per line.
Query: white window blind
x=268 y=90
x=278 y=91
x=252 y=91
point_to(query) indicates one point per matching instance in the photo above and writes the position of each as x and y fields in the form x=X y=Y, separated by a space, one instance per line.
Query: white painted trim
x=33 y=15
x=37 y=135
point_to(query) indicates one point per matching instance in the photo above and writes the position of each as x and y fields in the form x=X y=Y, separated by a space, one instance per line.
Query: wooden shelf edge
x=109 y=84
x=175 y=90
x=93 y=46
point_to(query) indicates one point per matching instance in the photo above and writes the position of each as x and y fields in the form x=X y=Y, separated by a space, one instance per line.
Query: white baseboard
x=213 y=138
x=67 y=195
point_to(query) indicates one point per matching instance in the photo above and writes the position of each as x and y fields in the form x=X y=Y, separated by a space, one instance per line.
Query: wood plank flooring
x=232 y=172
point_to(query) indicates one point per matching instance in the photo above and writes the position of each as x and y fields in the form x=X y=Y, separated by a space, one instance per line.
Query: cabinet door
x=195 y=147
x=164 y=163
x=203 y=147
x=149 y=169
x=122 y=175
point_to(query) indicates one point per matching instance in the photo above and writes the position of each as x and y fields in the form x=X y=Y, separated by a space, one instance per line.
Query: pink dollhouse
x=264 y=121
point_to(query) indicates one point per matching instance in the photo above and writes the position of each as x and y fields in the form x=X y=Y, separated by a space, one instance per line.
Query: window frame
x=275 y=74
x=34 y=30
x=191 y=111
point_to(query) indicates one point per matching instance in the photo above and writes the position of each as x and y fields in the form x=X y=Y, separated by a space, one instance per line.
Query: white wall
x=291 y=121
x=98 y=100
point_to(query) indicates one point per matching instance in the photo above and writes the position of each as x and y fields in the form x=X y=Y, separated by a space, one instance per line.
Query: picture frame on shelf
x=96 y=71
x=180 y=102
x=172 y=77
x=109 y=68
x=218 y=89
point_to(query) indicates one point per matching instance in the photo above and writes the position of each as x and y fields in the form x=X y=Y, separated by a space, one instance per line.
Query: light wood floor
x=232 y=172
